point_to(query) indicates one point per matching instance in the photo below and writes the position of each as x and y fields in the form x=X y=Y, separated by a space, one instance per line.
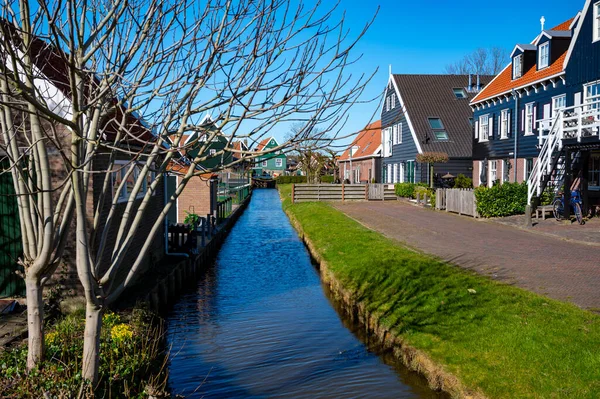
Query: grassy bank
x=498 y=340
x=131 y=361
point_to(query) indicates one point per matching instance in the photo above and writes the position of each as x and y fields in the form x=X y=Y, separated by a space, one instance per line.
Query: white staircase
x=570 y=124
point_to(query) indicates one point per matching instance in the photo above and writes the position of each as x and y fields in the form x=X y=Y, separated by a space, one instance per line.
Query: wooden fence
x=342 y=192
x=461 y=201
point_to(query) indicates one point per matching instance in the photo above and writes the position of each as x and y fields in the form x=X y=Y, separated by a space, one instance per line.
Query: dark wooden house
x=427 y=114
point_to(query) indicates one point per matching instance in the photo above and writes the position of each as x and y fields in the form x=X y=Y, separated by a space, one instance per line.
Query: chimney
x=470 y=83
x=478 y=83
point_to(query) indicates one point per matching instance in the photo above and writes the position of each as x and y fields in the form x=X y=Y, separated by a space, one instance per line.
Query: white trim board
x=405 y=111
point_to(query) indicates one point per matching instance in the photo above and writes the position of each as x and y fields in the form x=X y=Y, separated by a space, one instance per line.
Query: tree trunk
x=35 y=322
x=91 y=343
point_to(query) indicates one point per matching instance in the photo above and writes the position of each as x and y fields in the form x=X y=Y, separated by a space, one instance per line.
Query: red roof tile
x=503 y=83
x=367 y=140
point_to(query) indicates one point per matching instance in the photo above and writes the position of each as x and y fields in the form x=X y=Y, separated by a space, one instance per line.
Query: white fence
x=457 y=200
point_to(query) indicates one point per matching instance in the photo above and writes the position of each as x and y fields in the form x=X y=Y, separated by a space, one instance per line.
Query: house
x=531 y=88
x=198 y=197
x=427 y=115
x=361 y=161
x=105 y=195
x=552 y=86
x=274 y=163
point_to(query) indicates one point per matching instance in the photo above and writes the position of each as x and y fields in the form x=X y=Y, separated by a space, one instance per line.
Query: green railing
x=224 y=209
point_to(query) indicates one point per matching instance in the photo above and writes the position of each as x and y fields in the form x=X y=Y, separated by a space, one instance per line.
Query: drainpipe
x=516 y=133
x=167 y=224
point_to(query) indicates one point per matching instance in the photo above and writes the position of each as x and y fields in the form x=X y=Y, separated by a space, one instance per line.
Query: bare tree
x=480 y=62
x=312 y=150
x=251 y=65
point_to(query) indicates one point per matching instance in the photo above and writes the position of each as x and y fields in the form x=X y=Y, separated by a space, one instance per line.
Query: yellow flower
x=51 y=338
x=121 y=332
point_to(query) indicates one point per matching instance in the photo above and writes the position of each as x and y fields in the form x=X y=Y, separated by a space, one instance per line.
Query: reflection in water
x=259 y=325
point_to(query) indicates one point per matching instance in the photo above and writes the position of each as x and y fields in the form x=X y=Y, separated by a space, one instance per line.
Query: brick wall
x=199 y=196
x=364 y=165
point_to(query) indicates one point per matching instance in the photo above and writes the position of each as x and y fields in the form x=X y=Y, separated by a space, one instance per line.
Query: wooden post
x=418 y=198
x=568 y=181
x=293 y=193
x=366 y=192
x=343 y=192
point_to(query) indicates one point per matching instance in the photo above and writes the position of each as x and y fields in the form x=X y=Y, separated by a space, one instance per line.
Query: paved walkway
x=548 y=265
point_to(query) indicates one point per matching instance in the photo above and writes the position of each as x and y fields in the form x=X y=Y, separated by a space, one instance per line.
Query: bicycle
x=558 y=206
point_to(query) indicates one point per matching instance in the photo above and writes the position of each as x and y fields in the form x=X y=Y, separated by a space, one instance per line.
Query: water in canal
x=260 y=325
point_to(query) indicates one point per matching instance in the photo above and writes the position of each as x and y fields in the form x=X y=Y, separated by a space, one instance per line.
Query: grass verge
x=498 y=340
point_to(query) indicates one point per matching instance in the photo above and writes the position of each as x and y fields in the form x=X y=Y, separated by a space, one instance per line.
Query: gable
x=583 y=57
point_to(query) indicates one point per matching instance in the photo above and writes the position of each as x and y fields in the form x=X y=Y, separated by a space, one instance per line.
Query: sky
x=423 y=36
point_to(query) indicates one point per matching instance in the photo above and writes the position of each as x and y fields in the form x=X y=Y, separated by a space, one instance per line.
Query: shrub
x=501 y=200
x=463 y=181
x=422 y=191
x=432 y=201
x=131 y=360
x=405 y=190
x=327 y=179
x=291 y=179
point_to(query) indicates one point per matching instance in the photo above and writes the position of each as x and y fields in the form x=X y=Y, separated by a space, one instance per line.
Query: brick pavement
x=548 y=265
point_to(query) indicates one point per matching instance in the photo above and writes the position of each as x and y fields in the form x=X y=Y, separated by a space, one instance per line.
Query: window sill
x=503 y=137
x=529 y=134
x=483 y=140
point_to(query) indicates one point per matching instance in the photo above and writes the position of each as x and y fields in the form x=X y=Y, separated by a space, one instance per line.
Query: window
x=212 y=151
x=387 y=103
x=591 y=95
x=395 y=169
x=504 y=124
x=544 y=55
x=264 y=164
x=484 y=128
x=493 y=172
x=441 y=135
x=389 y=137
x=528 y=168
x=120 y=170
x=393 y=101
x=506 y=166
x=401 y=173
x=529 y=119
x=357 y=175
x=389 y=174
x=279 y=162
x=558 y=103
x=436 y=123
x=397 y=134
x=518 y=66
x=459 y=93
x=596 y=21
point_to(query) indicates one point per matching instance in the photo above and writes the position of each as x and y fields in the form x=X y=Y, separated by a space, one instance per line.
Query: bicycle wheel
x=557 y=209
x=578 y=213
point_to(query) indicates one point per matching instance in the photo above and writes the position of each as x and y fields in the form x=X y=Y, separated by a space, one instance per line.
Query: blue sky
x=423 y=36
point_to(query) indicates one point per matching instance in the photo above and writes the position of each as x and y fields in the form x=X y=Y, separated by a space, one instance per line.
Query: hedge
x=501 y=200
x=407 y=190
x=291 y=179
x=327 y=179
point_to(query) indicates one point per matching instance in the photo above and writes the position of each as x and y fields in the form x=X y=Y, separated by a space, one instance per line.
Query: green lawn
x=500 y=340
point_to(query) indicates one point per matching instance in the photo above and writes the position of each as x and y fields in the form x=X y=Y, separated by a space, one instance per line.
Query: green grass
x=503 y=341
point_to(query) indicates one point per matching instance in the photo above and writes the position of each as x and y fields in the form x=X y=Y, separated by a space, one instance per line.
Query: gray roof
x=558 y=33
x=431 y=96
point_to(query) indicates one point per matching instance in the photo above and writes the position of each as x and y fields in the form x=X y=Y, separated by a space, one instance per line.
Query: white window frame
x=122 y=167
x=505 y=167
x=595 y=98
x=401 y=172
x=484 y=128
x=544 y=55
x=278 y=162
x=395 y=173
x=212 y=152
x=518 y=66
x=525 y=171
x=556 y=104
x=393 y=99
x=529 y=118
x=390 y=141
x=387 y=103
x=395 y=134
x=388 y=178
x=399 y=133
x=357 y=174
x=493 y=176
x=596 y=31
x=264 y=164
x=504 y=124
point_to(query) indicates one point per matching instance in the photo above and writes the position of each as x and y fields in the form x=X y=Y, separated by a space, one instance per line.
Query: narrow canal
x=260 y=325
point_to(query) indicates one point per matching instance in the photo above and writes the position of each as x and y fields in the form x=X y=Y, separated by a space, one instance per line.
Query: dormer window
x=518 y=66
x=460 y=93
x=544 y=55
x=597 y=21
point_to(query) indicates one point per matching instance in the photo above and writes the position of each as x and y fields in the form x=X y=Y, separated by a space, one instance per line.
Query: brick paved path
x=557 y=268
